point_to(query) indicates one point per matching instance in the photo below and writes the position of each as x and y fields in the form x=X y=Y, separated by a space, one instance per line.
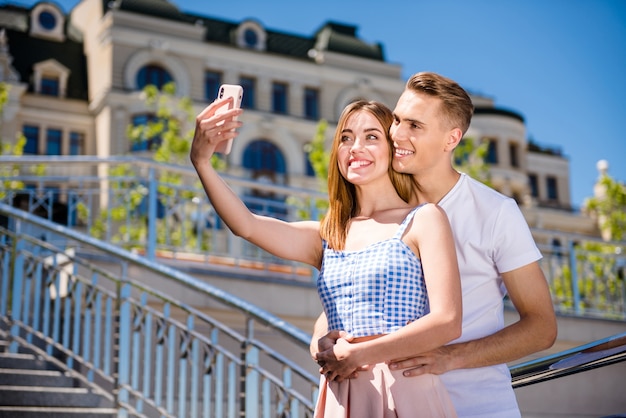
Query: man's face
x=418 y=135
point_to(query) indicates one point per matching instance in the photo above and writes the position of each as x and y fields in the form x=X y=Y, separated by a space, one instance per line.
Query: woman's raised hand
x=212 y=128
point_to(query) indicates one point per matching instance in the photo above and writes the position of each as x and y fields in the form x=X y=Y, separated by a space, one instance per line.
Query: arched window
x=153 y=75
x=263 y=157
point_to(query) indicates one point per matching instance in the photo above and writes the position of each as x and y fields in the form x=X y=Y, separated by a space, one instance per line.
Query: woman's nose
x=357 y=145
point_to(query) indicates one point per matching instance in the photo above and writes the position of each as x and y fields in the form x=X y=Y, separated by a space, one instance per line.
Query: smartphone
x=236 y=92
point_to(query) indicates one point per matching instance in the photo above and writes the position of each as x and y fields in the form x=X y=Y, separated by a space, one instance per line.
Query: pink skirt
x=382 y=393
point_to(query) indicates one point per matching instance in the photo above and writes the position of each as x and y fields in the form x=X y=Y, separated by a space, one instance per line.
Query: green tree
x=469 y=157
x=600 y=265
x=318 y=157
x=608 y=206
x=4 y=95
x=174 y=128
x=9 y=172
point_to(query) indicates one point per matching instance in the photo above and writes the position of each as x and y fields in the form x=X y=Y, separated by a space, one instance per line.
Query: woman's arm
x=297 y=241
x=430 y=237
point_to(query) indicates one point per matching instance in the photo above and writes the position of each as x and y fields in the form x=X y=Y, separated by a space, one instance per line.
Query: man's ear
x=454 y=137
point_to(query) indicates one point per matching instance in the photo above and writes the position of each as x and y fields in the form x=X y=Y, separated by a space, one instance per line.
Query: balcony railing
x=160 y=211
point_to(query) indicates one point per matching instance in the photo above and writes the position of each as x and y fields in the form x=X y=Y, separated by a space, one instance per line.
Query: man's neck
x=433 y=188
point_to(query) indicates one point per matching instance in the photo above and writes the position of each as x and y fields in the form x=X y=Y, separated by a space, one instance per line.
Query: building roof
x=157 y=8
x=27 y=50
x=340 y=38
x=490 y=110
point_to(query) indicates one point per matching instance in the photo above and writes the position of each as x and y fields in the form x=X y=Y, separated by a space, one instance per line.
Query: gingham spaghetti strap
x=375 y=290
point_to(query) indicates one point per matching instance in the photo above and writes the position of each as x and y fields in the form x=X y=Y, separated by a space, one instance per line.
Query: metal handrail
x=586 y=357
x=596 y=354
x=193 y=283
x=134 y=340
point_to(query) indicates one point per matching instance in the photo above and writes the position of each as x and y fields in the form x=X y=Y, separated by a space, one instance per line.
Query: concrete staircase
x=31 y=387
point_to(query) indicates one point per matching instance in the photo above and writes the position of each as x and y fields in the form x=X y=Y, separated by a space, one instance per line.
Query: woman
x=377 y=254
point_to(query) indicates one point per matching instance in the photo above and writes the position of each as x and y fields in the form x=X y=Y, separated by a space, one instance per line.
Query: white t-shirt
x=491 y=237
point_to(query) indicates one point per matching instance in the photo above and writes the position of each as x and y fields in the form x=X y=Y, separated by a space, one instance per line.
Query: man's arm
x=534 y=331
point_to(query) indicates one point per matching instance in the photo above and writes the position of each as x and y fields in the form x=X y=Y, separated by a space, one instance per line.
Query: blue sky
x=559 y=63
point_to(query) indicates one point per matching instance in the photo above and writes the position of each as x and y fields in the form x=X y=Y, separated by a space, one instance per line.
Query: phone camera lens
x=221 y=93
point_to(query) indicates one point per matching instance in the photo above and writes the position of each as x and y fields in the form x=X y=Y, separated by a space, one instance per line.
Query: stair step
x=51 y=396
x=50 y=412
x=24 y=361
x=29 y=377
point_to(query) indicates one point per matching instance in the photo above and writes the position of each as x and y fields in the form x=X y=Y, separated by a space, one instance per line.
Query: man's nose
x=397 y=134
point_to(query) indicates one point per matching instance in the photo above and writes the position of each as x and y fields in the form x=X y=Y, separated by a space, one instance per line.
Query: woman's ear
x=454 y=137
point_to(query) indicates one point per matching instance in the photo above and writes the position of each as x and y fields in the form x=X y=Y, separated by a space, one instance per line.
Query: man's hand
x=436 y=361
x=340 y=361
x=535 y=330
x=326 y=342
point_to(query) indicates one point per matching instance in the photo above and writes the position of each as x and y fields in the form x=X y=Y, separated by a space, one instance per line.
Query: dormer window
x=47 y=21
x=50 y=86
x=251 y=38
x=251 y=35
x=50 y=78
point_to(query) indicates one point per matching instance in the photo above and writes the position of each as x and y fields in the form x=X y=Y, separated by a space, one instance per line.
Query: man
x=496 y=255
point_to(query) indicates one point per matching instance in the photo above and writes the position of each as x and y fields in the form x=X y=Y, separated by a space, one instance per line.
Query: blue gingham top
x=375 y=290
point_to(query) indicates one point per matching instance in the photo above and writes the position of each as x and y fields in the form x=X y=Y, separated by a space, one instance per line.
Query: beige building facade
x=76 y=85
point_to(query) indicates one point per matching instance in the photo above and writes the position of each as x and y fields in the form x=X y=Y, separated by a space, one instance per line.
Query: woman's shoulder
x=428 y=218
x=429 y=210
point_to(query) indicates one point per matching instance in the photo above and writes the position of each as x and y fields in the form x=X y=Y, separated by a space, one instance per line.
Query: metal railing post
x=574 y=269
x=17 y=262
x=249 y=374
x=5 y=278
x=123 y=314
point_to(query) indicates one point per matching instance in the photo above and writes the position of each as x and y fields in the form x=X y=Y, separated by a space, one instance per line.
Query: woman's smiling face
x=363 y=150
